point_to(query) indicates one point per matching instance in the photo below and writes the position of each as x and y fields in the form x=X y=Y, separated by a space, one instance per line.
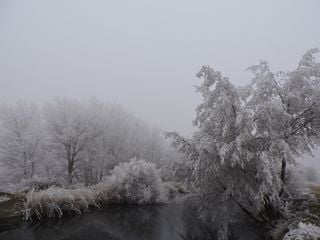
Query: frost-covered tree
x=93 y=137
x=118 y=137
x=72 y=126
x=128 y=137
x=20 y=139
x=247 y=136
x=72 y=141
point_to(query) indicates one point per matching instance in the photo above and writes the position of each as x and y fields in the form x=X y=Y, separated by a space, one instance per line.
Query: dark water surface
x=170 y=222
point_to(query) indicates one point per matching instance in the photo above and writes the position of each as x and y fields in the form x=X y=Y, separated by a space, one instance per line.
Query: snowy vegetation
x=249 y=137
x=70 y=155
x=135 y=182
x=67 y=141
x=20 y=140
x=54 y=201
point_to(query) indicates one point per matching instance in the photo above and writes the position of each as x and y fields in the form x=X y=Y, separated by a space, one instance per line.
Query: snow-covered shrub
x=54 y=201
x=106 y=192
x=134 y=182
x=304 y=231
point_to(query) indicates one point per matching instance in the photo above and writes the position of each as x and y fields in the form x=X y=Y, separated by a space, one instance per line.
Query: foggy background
x=145 y=54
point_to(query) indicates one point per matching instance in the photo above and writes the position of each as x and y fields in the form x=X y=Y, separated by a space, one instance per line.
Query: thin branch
x=300 y=115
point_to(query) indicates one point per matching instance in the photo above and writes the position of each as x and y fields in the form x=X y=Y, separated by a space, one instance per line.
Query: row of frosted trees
x=72 y=141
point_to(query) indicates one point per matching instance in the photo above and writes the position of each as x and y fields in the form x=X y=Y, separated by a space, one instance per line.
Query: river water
x=169 y=222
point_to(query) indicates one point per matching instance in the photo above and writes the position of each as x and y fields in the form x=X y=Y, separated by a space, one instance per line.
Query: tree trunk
x=25 y=167
x=86 y=176
x=32 y=169
x=101 y=174
x=70 y=167
x=283 y=175
x=270 y=212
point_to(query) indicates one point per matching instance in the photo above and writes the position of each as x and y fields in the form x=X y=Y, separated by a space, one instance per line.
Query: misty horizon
x=126 y=53
x=159 y=120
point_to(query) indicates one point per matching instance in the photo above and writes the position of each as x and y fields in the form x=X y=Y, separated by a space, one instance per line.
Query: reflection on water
x=171 y=222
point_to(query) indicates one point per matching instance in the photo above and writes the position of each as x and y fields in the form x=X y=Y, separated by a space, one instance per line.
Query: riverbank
x=304 y=219
x=72 y=202
x=54 y=202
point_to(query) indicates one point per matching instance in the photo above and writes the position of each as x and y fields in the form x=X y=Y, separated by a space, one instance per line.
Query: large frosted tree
x=20 y=139
x=72 y=126
x=248 y=136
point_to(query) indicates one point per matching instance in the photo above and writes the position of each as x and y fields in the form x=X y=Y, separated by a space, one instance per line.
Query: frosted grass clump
x=304 y=231
x=53 y=201
x=134 y=182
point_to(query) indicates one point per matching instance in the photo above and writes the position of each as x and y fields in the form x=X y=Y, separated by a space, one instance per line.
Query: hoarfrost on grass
x=135 y=182
x=53 y=201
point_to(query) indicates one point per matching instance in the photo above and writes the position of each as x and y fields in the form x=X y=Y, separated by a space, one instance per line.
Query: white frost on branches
x=70 y=141
x=249 y=136
x=135 y=182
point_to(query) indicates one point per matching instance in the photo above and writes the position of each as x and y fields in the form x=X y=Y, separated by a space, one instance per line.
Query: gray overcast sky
x=145 y=54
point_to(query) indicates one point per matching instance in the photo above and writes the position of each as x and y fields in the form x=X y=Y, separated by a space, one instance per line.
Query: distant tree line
x=73 y=141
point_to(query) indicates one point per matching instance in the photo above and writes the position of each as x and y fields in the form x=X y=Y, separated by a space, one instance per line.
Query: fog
x=145 y=54
x=97 y=104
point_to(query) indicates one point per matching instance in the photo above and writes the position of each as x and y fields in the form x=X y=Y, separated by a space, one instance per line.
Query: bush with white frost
x=134 y=182
x=304 y=231
x=53 y=201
